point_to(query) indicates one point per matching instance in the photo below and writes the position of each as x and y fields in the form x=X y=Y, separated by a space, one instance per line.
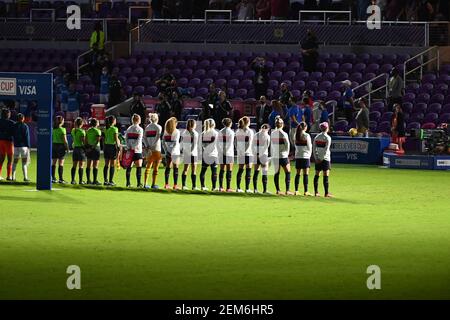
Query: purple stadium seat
x=444 y=118
x=387 y=116
x=329 y=76
x=321 y=95
x=420 y=108
x=194 y=82
x=426 y=87
x=438 y=97
x=375 y=116
x=434 y=108
x=373 y=126
x=341 y=125
x=446 y=108
x=233 y=83
x=416 y=117
x=430 y=117
x=413 y=125
x=409 y=97
x=299 y=85
x=428 y=125
x=334 y=95
x=407 y=107
x=429 y=78
x=384 y=126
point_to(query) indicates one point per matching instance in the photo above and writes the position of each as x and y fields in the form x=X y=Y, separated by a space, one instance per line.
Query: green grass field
x=134 y=244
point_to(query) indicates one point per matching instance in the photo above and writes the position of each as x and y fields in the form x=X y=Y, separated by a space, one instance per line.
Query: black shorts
x=137 y=156
x=227 y=159
x=78 y=154
x=206 y=164
x=283 y=162
x=58 y=151
x=93 y=153
x=302 y=163
x=110 y=152
x=323 y=166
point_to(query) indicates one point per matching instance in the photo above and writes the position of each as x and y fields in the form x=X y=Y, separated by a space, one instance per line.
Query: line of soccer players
x=211 y=149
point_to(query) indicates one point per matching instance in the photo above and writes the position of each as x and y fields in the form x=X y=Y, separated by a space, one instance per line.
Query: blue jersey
x=297 y=113
x=272 y=117
x=104 y=84
x=63 y=93
x=348 y=94
x=21 y=135
x=324 y=116
x=73 y=103
x=308 y=115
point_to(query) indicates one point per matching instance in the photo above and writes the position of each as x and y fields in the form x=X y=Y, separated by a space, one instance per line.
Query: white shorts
x=22 y=153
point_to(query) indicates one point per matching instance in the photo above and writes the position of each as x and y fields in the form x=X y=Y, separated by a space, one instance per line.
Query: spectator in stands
x=295 y=117
x=6 y=142
x=395 y=87
x=279 y=9
x=104 y=86
x=324 y=117
x=223 y=109
x=163 y=108
x=102 y=61
x=164 y=82
x=177 y=105
x=307 y=112
x=263 y=9
x=398 y=126
x=245 y=10
x=362 y=119
x=138 y=107
x=73 y=101
x=261 y=79
x=285 y=95
x=115 y=91
x=347 y=103
x=213 y=97
x=21 y=147
x=157 y=8
x=309 y=52
x=277 y=111
x=263 y=111
x=97 y=42
x=426 y=10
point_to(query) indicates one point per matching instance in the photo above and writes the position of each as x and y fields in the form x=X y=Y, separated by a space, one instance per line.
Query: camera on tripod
x=434 y=141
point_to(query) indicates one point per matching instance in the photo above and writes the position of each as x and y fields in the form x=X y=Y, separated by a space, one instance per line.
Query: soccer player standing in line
x=93 y=137
x=244 y=140
x=6 y=143
x=152 y=143
x=225 y=145
x=279 y=142
x=261 y=144
x=209 y=154
x=78 y=155
x=189 y=145
x=21 y=147
x=322 y=156
x=171 y=143
x=133 y=137
x=59 y=148
x=303 y=151
x=111 y=147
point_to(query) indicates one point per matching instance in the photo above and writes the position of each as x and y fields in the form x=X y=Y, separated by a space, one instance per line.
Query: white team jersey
x=261 y=144
x=153 y=137
x=303 y=146
x=209 y=143
x=172 y=143
x=189 y=143
x=279 y=143
x=322 y=145
x=225 y=142
x=244 y=141
x=133 y=137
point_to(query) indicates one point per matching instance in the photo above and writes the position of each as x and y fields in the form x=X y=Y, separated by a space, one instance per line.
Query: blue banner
x=358 y=150
x=35 y=87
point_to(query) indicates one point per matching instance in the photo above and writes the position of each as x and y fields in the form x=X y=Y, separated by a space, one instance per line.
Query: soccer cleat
x=9 y=179
x=89 y=182
x=248 y=191
x=279 y=193
x=140 y=185
x=240 y=191
x=82 y=182
x=128 y=185
x=112 y=184
x=96 y=183
x=175 y=187
x=317 y=194
x=146 y=186
x=329 y=195
x=267 y=192
x=26 y=180
x=73 y=182
x=185 y=188
x=296 y=193
x=216 y=189
x=62 y=181
x=166 y=186
x=54 y=181
x=307 y=194
x=205 y=189
x=155 y=186
x=196 y=189
x=1 y=178
x=288 y=193
x=106 y=183
x=230 y=190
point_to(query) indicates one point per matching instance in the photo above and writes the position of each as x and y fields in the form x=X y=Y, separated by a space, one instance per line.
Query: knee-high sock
x=9 y=168
x=175 y=176
x=316 y=184
x=61 y=172
x=105 y=173
x=202 y=176
x=54 y=172
x=229 y=174
x=112 y=170
x=147 y=172
x=276 y=179
x=194 y=180
x=95 y=174
x=264 y=181
x=88 y=174
x=25 y=170
x=14 y=170
x=80 y=175
x=138 y=175
x=248 y=177
x=221 y=174
x=183 y=179
x=296 y=182
x=305 y=183
x=287 y=181
x=72 y=173
x=166 y=175
x=128 y=174
x=325 y=184
x=255 y=180
x=214 y=176
x=239 y=177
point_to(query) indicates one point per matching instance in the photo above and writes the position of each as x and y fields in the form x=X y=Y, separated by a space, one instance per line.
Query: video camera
x=434 y=141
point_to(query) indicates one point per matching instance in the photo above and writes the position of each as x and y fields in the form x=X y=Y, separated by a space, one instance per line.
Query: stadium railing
x=52 y=11
x=369 y=87
x=324 y=13
x=422 y=56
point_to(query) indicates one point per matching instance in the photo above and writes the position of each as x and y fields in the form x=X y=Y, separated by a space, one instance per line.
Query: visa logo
x=27 y=90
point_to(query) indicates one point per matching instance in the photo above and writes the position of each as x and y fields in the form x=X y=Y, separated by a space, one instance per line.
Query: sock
x=14 y=170
x=248 y=177
x=255 y=180
x=276 y=179
x=264 y=180
x=105 y=173
x=154 y=175
x=95 y=174
x=296 y=182
x=183 y=180
x=25 y=171
x=111 y=173
x=202 y=176
x=80 y=175
x=53 y=172
x=128 y=174
x=316 y=184
x=214 y=176
x=166 y=175
x=239 y=177
x=175 y=176
x=72 y=173
x=146 y=174
x=61 y=172
x=193 y=179
x=9 y=169
x=305 y=182
x=229 y=174
x=288 y=181
x=138 y=175
x=221 y=174
x=88 y=174
x=325 y=184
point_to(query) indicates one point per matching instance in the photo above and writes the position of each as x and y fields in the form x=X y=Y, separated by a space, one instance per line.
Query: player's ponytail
x=190 y=125
x=300 y=129
x=59 y=120
x=78 y=122
x=93 y=122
